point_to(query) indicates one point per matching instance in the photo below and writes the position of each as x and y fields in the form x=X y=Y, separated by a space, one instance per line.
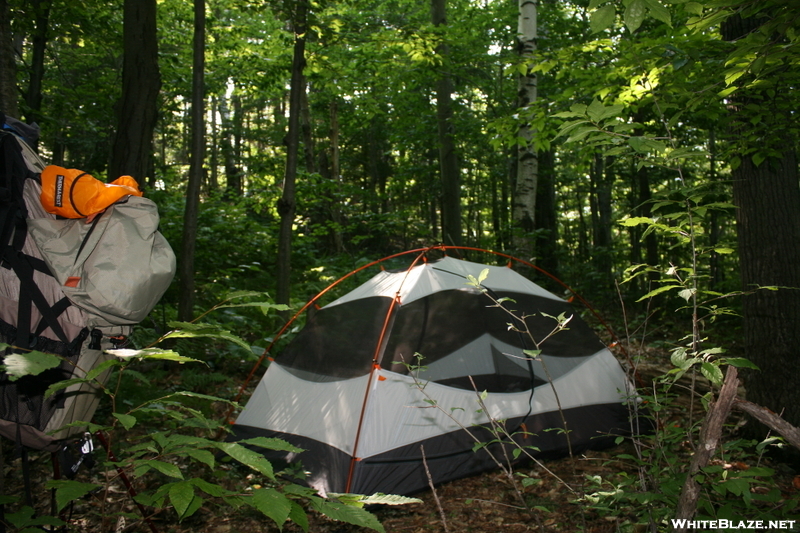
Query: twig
x=433 y=490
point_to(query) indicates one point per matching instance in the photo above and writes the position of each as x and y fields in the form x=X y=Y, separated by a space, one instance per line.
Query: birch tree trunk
x=524 y=204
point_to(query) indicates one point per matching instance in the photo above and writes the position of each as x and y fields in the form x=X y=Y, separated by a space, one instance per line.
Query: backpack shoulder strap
x=13 y=231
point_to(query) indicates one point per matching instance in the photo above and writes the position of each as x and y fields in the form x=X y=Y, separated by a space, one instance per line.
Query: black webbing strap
x=29 y=293
x=13 y=232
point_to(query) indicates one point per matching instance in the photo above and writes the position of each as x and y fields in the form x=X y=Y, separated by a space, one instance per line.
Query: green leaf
x=598 y=112
x=168 y=469
x=33 y=363
x=711 y=372
x=102 y=367
x=127 y=421
x=61 y=385
x=687 y=294
x=272 y=504
x=659 y=290
x=634 y=15
x=189 y=330
x=645 y=145
x=183 y=499
x=635 y=221
x=383 y=499
x=346 y=513
x=152 y=353
x=602 y=18
x=199 y=396
x=659 y=12
x=26 y=517
x=203 y=456
x=740 y=362
x=247 y=457
x=68 y=491
x=264 y=306
x=678 y=357
x=682 y=153
x=211 y=489
x=270 y=443
x=298 y=515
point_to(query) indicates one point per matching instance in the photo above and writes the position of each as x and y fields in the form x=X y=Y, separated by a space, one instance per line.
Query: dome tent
x=347 y=391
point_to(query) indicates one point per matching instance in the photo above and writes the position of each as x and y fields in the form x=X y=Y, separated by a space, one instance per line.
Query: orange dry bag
x=72 y=193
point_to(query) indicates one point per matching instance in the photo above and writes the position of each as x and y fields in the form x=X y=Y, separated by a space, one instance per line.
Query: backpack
x=70 y=288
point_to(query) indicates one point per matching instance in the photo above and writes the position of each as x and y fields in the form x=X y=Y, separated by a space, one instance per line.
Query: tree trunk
x=39 y=44
x=716 y=273
x=286 y=204
x=546 y=215
x=524 y=204
x=768 y=224
x=602 y=178
x=336 y=211
x=448 y=159
x=233 y=175
x=767 y=196
x=308 y=134
x=644 y=210
x=214 y=148
x=132 y=153
x=186 y=299
x=8 y=65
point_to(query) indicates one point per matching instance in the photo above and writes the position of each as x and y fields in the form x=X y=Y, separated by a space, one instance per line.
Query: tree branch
x=709 y=439
x=771 y=420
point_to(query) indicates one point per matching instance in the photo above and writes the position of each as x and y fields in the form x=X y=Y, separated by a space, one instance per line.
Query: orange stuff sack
x=72 y=193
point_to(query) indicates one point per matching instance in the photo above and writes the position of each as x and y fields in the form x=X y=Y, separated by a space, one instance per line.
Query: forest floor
x=483 y=503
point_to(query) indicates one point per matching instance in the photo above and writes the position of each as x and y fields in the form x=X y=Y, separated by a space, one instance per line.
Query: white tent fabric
x=445 y=274
x=397 y=413
x=363 y=420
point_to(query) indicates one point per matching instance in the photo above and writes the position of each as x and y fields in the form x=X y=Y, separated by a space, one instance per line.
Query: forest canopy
x=632 y=148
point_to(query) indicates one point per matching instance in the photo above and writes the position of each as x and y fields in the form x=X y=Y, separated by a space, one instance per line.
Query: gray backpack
x=68 y=288
x=115 y=268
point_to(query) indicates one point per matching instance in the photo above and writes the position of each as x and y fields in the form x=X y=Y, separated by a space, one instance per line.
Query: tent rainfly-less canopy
x=347 y=391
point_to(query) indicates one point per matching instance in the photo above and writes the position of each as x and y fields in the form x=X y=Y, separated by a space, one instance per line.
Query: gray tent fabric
x=348 y=390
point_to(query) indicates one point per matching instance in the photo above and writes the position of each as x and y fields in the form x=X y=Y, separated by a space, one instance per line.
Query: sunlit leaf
x=17 y=365
x=712 y=372
x=634 y=15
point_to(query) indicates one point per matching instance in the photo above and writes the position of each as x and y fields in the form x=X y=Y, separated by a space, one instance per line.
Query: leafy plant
x=172 y=450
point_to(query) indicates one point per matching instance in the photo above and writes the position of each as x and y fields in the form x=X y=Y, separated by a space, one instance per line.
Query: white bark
x=524 y=204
